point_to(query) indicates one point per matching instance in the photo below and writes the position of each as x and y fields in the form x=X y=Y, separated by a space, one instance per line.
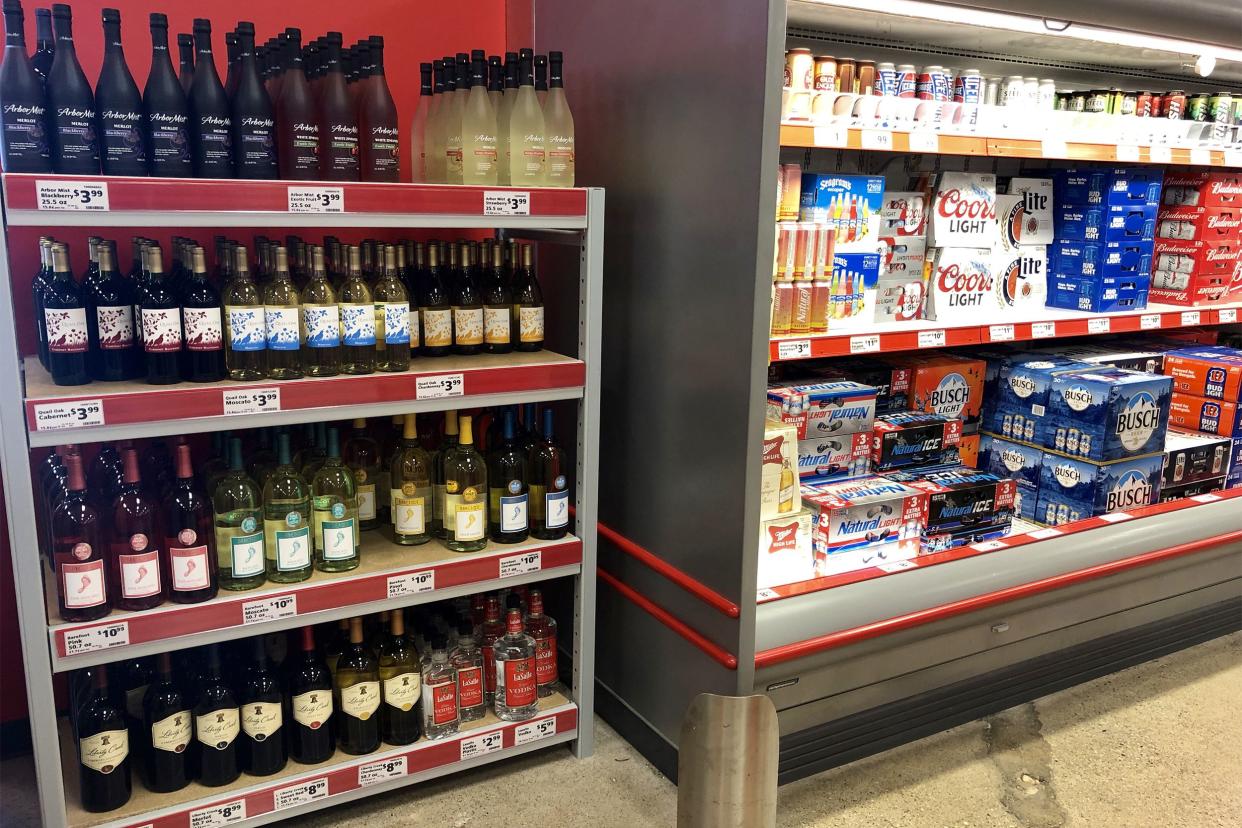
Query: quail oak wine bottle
x=527 y=304
x=165 y=111
x=217 y=724
x=260 y=704
x=321 y=322
x=245 y=331
x=297 y=124
x=467 y=308
x=110 y=321
x=203 y=357
x=122 y=139
x=281 y=319
x=357 y=311
x=136 y=581
x=392 y=317
x=497 y=306
x=103 y=750
x=436 y=307
x=75 y=144
x=189 y=536
x=378 y=122
x=64 y=315
x=23 y=99
x=254 y=119
x=77 y=551
x=310 y=700
x=169 y=729
x=287 y=520
x=338 y=123
x=211 y=137
x=357 y=695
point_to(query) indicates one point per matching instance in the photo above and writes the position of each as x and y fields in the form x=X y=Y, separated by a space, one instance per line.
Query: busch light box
x=849 y=204
x=823 y=409
x=963 y=210
x=1072 y=489
x=1106 y=414
x=834 y=456
x=960 y=285
x=911 y=439
x=1020 y=275
x=1024 y=214
x=860 y=515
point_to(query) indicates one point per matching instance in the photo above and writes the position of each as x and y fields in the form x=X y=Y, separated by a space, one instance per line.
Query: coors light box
x=963 y=210
x=960 y=285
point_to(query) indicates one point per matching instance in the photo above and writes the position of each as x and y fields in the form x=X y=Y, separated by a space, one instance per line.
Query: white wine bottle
x=559 y=123
x=503 y=111
x=478 y=128
x=458 y=71
x=433 y=130
x=527 y=142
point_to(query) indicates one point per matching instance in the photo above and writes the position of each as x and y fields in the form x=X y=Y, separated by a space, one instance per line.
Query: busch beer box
x=785 y=550
x=1020 y=275
x=1106 y=414
x=849 y=204
x=1021 y=394
x=1190 y=413
x=1024 y=214
x=911 y=439
x=1018 y=462
x=960 y=284
x=945 y=384
x=867 y=514
x=1189 y=458
x=1211 y=371
x=963 y=210
x=824 y=408
x=1071 y=489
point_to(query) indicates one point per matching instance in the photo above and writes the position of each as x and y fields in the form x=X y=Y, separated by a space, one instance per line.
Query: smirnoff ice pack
x=960 y=285
x=963 y=210
x=864 y=522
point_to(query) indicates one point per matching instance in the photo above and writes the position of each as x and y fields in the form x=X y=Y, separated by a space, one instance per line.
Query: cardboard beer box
x=1071 y=489
x=1209 y=224
x=904 y=216
x=1106 y=222
x=1021 y=395
x=785 y=550
x=1106 y=414
x=823 y=409
x=1024 y=213
x=1100 y=259
x=1018 y=462
x=1177 y=491
x=849 y=204
x=960 y=285
x=968 y=450
x=1191 y=457
x=1107 y=185
x=1197 y=257
x=958 y=498
x=1020 y=276
x=1234 y=478
x=903 y=256
x=900 y=297
x=912 y=439
x=778 y=488
x=864 y=516
x=1213 y=371
x=1191 y=413
x=1192 y=289
x=852 y=290
x=1203 y=189
x=834 y=457
x=891 y=381
x=963 y=210
x=945 y=384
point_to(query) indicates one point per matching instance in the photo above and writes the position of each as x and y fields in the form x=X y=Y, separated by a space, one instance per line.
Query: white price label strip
x=1190 y=317
x=1115 y=517
x=521 y=564
x=1149 y=321
x=295 y=795
x=412 y=584
x=251 y=400
x=1099 y=325
x=71 y=195
x=767 y=594
x=1044 y=534
x=1000 y=333
x=1043 y=330
x=316 y=200
x=534 y=731
x=877 y=139
x=269 y=609
x=922 y=140
x=895 y=566
x=931 y=339
x=1054 y=148
x=1127 y=153
x=793 y=349
x=988 y=546
x=76 y=414
x=864 y=344
x=1205 y=498
x=1200 y=155
x=1233 y=158
x=506 y=203
x=225 y=814
x=1228 y=315
x=375 y=772
x=439 y=386
x=101 y=637
x=835 y=135
x=481 y=745
x=1160 y=154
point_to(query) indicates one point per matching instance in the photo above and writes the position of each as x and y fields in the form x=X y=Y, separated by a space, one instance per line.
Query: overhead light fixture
x=1205 y=65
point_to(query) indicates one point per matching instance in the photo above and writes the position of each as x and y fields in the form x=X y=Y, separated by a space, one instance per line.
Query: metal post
x=727 y=762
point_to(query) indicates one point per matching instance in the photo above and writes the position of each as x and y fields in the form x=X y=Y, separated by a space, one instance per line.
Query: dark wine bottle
x=109 y=300
x=216 y=725
x=23 y=99
x=467 y=307
x=64 y=315
x=136 y=676
x=497 y=305
x=210 y=122
x=254 y=120
x=338 y=124
x=122 y=142
x=134 y=578
x=262 y=743
x=165 y=110
x=168 y=726
x=189 y=537
x=435 y=307
x=230 y=55
x=75 y=144
x=310 y=700
x=185 y=67
x=204 y=331
x=103 y=750
x=38 y=287
x=45 y=43
x=297 y=126
x=161 y=321
x=78 y=551
x=378 y=121
x=357 y=695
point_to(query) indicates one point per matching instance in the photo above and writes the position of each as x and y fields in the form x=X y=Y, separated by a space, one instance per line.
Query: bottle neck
x=14 y=30
x=43 y=31
x=159 y=42
x=64 y=36
x=112 y=40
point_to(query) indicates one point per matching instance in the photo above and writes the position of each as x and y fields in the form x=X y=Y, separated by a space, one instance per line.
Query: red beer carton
x=1219 y=225
x=1214 y=372
x=960 y=284
x=1203 y=189
x=903 y=215
x=963 y=210
x=1190 y=413
x=1196 y=256
x=945 y=384
x=1191 y=289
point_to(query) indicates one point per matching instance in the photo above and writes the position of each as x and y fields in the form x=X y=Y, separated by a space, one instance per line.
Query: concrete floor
x=1158 y=745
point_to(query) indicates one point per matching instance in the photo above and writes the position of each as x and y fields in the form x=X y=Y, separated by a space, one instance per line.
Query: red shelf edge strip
x=649 y=559
x=841 y=638
x=717 y=654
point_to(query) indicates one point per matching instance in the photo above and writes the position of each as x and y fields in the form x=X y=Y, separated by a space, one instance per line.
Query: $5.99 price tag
x=534 y=731
x=76 y=414
x=316 y=200
x=481 y=745
x=375 y=772
x=439 y=386
x=71 y=195
x=101 y=637
x=521 y=564
x=251 y=400
x=506 y=203
x=215 y=815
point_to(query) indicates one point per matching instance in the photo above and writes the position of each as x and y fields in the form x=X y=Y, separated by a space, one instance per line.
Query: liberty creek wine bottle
x=216 y=725
x=338 y=123
x=297 y=126
x=169 y=727
x=254 y=120
x=103 y=750
x=23 y=100
x=75 y=145
x=260 y=702
x=165 y=111
x=122 y=143
x=310 y=698
x=210 y=119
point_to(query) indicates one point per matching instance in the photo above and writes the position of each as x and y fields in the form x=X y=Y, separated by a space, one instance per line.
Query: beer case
x=1106 y=414
x=1190 y=457
x=1020 y=275
x=1197 y=257
x=1198 y=487
x=852 y=296
x=959 y=498
x=960 y=284
x=963 y=210
x=1213 y=372
x=1203 y=189
x=849 y=204
x=900 y=297
x=785 y=550
x=904 y=216
x=835 y=457
x=890 y=380
x=1024 y=213
x=824 y=408
x=1119 y=355
x=964 y=536
x=1107 y=185
x=780 y=451
x=1208 y=224
x=911 y=439
x=856 y=521
x=1234 y=477
x=968 y=450
x=1191 y=289
x=1018 y=462
x=945 y=384
x=903 y=256
x=1071 y=489
x=1021 y=389
x=1190 y=413
x=1099 y=295
x=1106 y=223
x=1105 y=259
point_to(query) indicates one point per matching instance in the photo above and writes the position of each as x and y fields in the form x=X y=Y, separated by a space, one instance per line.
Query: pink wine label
x=203 y=329
x=116 y=327
x=140 y=573
x=82 y=584
x=66 y=330
x=190 y=569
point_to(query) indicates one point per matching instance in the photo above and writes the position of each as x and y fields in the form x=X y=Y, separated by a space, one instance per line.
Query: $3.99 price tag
x=76 y=414
x=481 y=745
x=316 y=200
x=225 y=814
x=439 y=386
x=71 y=195
x=506 y=203
x=251 y=400
x=793 y=349
x=381 y=771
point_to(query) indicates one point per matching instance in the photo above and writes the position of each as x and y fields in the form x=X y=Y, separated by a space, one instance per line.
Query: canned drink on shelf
x=825 y=244
x=1174 y=106
x=1050 y=514
x=907 y=80
x=866 y=77
x=803 y=298
x=991 y=91
x=1062 y=514
x=1084 y=445
x=1175 y=262
x=790 y=192
x=1058 y=441
x=1143 y=104
x=932 y=84
x=1129 y=103
x=799 y=69
x=1012 y=91
x=968 y=88
x=1113 y=104
x=1028 y=430
x=825 y=73
x=950 y=80
x=847 y=75
x=1047 y=93
x=782 y=307
x=821 y=295
x=802 y=239
x=1174 y=229
x=1078 y=101
x=1220 y=108
x=1096 y=101
x=1071 y=441
x=1030 y=89
x=1063 y=101
x=786 y=241
x=1007 y=426
x=1197 y=107
x=886 y=79
x=1167 y=280
x=814 y=234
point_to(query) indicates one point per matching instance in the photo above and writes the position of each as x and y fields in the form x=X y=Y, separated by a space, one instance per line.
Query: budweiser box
x=912 y=439
x=1099 y=295
x=1203 y=189
x=1021 y=396
x=1024 y=213
x=871 y=513
x=1189 y=289
x=1020 y=275
x=849 y=204
x=1105 y=185
x=903 y=216
x=963 y=210
x=903 y=256
x=785 y=553
x=1071 y=489
x=1198 y=257
x=823 y=409
x=1106 y=414
x=958 y=498
x=1106 y=223
x=1212 y=371
x=891 y=381
x=945 y=384
x=1191 y=413
x=1198 y=487
x=960 y=285
x=835 y=457
x=1190 y=457
x=779 y=482
x=1100 y=259
x=1208 y=224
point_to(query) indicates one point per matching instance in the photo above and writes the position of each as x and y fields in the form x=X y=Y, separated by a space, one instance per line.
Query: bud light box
x=1072 y=489
x=785 y=550
x=1211 y=371
x=960 y=285
x=1024 y=214
x=963 y=210
x=778 y=487
x=1106 y=223
x=1190 y=413
x=869 y=515
x=1099 y=295
x=946 y=384
x=912 y=439
x=1020 y=275
x=1190 y=457
x=1101 y=185
x=823 y=409
x=835 y=457
x=849 y=204
x=1100 y=259
x=1107 y=414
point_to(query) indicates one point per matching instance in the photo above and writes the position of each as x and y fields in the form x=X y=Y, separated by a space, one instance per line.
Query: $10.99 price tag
x=412 y=584
x=521 y=564
x=251 y=400
x=375 y=772
x=534 y=731
x=101 y=637
x=506 y=203
x=215 y=815
x=269 y=609
x=76 y=414
x=71 y=195
x=439 y=386
x=316 y=200
x=481 y=745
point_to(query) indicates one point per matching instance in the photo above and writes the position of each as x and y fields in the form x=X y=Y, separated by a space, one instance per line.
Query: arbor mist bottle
x=165 y=111
x=23 y=99
x=210 y=115
x=254 y=120
x=378 y=122
x=122 y=139
x=478 y=129
x=338 y=123
x=297 y=124
x=75 y=143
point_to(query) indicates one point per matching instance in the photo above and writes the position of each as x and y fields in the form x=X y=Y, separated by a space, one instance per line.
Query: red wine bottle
x=254 y=120
x=261 y=702
x=185 y=65
x=161 y=321
x=210 y=123
x=64 y=317
x=38 y=287
x=103 y=750
x=109 y=300
x=189 y=537
x=216 y=725
x=75 y=145
x=204 y=330
x=78 y=552
x=23 y=100
x=122 y=139
x=45 y=44
x=168 y=729
x=310 y=700
x=166 y=114
x=338 y=124
x=134 y=549
x=104 y=479
x=297 y=127
x=378 y=121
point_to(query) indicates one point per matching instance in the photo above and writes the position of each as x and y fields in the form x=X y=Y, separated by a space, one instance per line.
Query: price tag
x=376 y=772
x=76 y=414
x=481 y=745
x=864 y=344
x=521 y=564
x=1205 y=498
x=72 y=195
x=924 y=140
x=1043 y=330
x=931 y=339
x=877 y=139
x=1228 y=315
x=300 y=794
x=1099 y=325
x=767 y=594
x=412 y=584
x=1149 y=321
x=793 y=349
x=439 y=386
x=1200 y=155
x=251 y=400
x=269 y=609
x=1190 y=317
x=895 y=566
x=101 y=637
x=1127 y=153
x=834 y=135
x=1000 y=333
x=225 y=814
x=534 y=731
x=1044 y=534
x=1115 y=517
x=1233 y=158
x=506 y=203
x=988 y=546
x=1054 y=148
x=1160 y=154
x=316 y=200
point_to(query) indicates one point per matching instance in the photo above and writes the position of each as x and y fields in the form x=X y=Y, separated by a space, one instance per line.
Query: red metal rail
x=842 y=638
x=701 y=591
x=717 y=653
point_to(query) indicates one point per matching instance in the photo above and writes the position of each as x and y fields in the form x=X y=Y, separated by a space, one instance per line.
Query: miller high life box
x=1024 y=214
x=1020 y=276
x=1212 y=371
x=785 y=550
x=1203 y=189
x=779 y=480
x=961 y=286
x=963 y=210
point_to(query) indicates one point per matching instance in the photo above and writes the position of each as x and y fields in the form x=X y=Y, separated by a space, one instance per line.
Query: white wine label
x=366 y=501
x=412 y=325
x=83 y=584
x=437 y=327
x=261 y=720
x=313 y=708
x=161 y=329
x=496 y=326
x=190 y=568
x=556 y=506
x=245 y=328
x=204 y=330
x=396 y=322
x=361 y=700
x=357 y=324
x=467 y=519
x=407 y=513
x=104 y=751
x=116 y=326
x=247 y=551
x=338 y=539
x=281 y=324
x=140 y=574
x=513 y=513
x=321 y=326
x=66 y=330
x=530 y=324
x=293 y=549
x=173 y=733
x=218 y=728
x=468 y=323
x=402 y=691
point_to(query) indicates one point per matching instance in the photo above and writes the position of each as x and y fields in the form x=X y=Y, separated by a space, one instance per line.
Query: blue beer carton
x=1072 y=489
x=822 y=409
x=1116 y=259
x=1098 y=295
x=1106 y=414
x=850 y=206
x=1019 y=462
x=1104 y=185
x=1021 y=394
x=1234 y=477
x=1105 y=223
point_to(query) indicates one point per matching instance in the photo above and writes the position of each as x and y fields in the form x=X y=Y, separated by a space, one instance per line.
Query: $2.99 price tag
x=481 y=745
x=100 y=637
x=316 y=200
x=506 y=203
x=439 y=386
x=534 y=731
x=521 y=564
x=295 y=795
x=71 y=195
x=252 y=401
x=225 y=814
x=76 y=414
x=376 y=772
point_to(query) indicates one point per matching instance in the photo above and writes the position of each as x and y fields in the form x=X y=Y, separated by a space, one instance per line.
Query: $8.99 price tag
x=300 y=794
x=71 y=195
x=381 y=771
x=214 y=815
x=439 y=386
x=481 y=745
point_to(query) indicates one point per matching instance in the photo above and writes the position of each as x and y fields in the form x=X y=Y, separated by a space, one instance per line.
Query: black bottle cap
x=202 y=24
x=478 y=54
x=439 y=642
x=424 y=67
x=510 y=56
x=513 y=601
x=111 y=16
x=333 y=38
x=61 y=10
x=159 y=19
x=376 y=41
x=465 y=630
x=185 y=40
x=14 y=7
x=526 y=53
x=462 y=57
x=245 y=29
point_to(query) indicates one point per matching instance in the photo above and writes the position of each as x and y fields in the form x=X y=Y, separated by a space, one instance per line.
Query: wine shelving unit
x=35 y=413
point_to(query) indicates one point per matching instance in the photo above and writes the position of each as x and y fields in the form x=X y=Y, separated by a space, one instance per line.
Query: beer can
x=1179 y=468
x=1058 y=441
x=1175 y=262
x=802 y=238
x=1157 y=105
x=1218 y=460
x=1012 y=91
x=808 y=236
x=1078 y=101
x=1063 y=101
x=1174 y=105
x=1028 y=430
x=821 y=294
x=1074 y=515
x=1173 y=229
x=1050 y=515
x=803 y=298
x=907 y=80
x=790 y=192
x=1129 y=104
x=1097 y=101
x=950 y=80
x=1113 y=104
x=847 y=74
x=1017 y=426
x=782 y=307
x=1084 y=445
x=1030 y=89
x=1071 y=441
x=932 y=84
x=825 y=245
x=968 y=88
x=1062 y=514
x=991 y=91
x=866 y=77
x=799 y=69
x=1047 y=94
x=786 y=241
x=886 y=80
x=825 y=73
x=1143 y=105
x=1007 y=426
x=1197 y=107
x=1220 y=108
